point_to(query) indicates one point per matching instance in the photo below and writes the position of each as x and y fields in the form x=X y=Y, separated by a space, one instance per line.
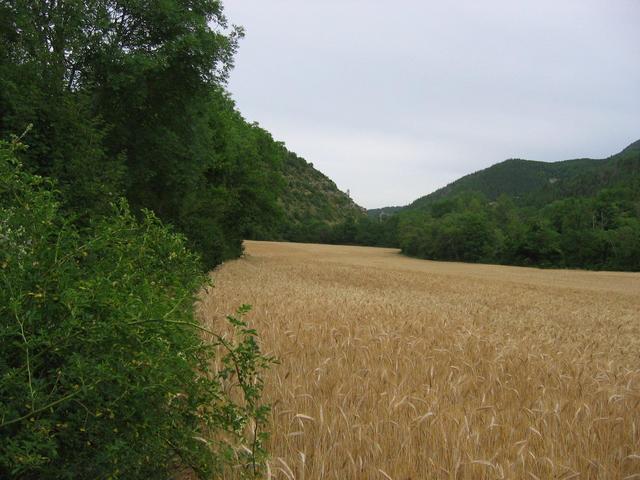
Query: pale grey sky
x=393 y=100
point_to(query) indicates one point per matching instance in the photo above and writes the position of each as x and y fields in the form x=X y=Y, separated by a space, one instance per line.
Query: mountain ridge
x=309 y=193
x=519 y=178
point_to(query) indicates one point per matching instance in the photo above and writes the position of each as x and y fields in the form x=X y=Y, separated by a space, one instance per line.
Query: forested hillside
x=530 y=182
x=578 y=213
x=379 y=213
x=311 y=202
x=581 y=213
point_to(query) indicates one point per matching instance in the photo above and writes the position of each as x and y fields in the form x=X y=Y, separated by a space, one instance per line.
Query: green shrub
x=103 y=373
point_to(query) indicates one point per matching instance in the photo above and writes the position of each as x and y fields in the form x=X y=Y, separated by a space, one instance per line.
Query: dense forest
x=581 y=213
x=128 y=99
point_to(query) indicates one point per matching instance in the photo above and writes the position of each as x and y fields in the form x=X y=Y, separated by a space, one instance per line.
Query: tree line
x=127 y=99
x=594 y=231
x=125 y=172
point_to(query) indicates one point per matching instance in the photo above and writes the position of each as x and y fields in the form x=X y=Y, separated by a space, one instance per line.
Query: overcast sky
x=393 y=100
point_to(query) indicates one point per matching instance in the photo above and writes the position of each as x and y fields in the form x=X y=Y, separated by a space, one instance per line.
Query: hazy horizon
x=393 y=104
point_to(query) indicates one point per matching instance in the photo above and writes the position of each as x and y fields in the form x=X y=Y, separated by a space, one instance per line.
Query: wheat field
x=397 y=368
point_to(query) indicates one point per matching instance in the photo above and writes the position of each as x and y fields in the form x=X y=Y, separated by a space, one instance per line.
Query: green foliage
x=598 y=232
x=314 y=208
x=577 y=214
x=103 y=370
x=126 y=98
x=531 y=183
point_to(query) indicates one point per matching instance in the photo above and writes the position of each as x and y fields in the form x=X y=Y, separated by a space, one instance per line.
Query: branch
x=52 y=404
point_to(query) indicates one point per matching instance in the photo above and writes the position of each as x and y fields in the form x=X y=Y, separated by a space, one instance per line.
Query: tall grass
x=394 y=368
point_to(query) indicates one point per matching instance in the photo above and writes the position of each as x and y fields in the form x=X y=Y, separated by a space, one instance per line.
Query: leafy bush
x=103 y=372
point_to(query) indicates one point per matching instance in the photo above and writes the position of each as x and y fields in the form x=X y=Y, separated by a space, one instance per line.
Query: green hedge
x=103 y=373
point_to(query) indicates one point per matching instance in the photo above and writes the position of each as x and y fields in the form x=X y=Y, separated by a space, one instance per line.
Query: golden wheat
x=395 y=368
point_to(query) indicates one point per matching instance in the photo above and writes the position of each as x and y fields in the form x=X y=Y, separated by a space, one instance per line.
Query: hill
x=310 y=194
x=379 y=213
x=536 y=183
x=581 y=213
x=311 y=203
x=578 y=213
